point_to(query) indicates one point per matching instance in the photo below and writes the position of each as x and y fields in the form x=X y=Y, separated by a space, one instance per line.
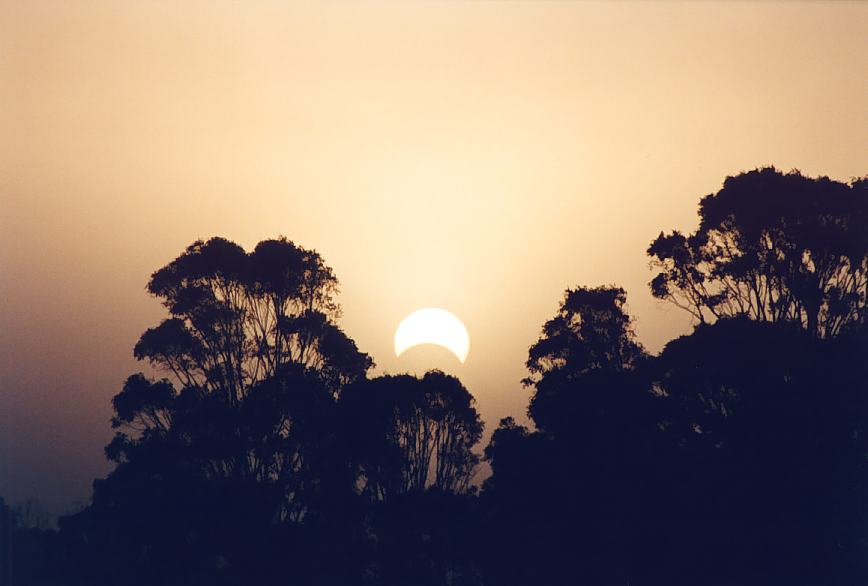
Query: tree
x=410 y=441
x=259 y=323
x=568 y=494
x=587 y=346
x=237 y=454
x=237 y=318
x=775 y=247
x=410 y=434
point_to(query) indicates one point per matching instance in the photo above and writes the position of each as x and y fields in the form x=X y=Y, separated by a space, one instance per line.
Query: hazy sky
x=479 y=157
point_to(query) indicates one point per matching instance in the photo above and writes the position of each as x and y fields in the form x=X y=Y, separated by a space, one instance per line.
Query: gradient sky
x=479 y=157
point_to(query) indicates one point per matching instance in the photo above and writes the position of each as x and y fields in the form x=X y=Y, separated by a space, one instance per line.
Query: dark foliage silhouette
x=589 y=345
x=766 y=483
x=567 y=494
x=238 y=458
x=237 y=318
x=268 y=454
x=411 y=434
x=776 y=247
x=410 y=441
x=737 y=456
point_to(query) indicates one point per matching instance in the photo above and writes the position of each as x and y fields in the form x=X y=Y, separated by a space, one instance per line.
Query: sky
x=476 y=156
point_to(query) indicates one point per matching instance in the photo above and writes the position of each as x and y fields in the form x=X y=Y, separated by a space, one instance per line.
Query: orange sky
x=478 y=156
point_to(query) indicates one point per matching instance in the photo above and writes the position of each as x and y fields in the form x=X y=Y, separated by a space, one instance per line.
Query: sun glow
x=433 y=326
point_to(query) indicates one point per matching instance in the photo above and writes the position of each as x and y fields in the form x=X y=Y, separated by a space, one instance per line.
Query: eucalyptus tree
x=579 y=362
x=237 y=318
x=412 y=434
x=774 y=247
x=244 y=330
x=567 y=494
x=235 y=449
x=411 y=441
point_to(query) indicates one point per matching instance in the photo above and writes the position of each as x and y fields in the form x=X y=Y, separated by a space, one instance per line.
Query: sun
x=433 y=325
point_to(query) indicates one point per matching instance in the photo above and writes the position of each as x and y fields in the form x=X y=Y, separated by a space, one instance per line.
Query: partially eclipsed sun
x=433 y=326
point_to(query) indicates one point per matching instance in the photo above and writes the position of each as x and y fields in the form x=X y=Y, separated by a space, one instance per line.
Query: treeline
x=737 y=456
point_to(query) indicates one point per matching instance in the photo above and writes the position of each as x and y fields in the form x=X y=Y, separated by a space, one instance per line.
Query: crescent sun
x=433 y=325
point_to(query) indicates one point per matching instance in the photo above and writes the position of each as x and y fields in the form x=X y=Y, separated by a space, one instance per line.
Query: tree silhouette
x=586 y=345
x=763 y=415
x=267 y=442
x=775 y=247
x=410 y=441
x=242 y=451
x=410 y=434
x=574 y=486
x=735 y=456
x=237 y=318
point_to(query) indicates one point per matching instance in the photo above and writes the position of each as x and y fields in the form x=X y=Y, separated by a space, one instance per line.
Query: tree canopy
x=237 y=318
x=773 y=246
x=410 y=434
x=586 y=345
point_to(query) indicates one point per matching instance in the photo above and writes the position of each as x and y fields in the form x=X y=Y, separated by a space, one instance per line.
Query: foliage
x=587 y=345
x=238 y=318
x=267 y=439
x=574 y=484
x=411 y=434
x=775 y=247
x=240 y=449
